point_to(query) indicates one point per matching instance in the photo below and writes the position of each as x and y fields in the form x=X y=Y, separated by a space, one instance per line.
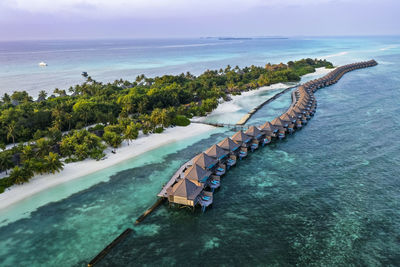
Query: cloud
x=148 y=8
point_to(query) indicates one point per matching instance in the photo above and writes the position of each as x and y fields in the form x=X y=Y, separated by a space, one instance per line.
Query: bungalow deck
x=175 y=178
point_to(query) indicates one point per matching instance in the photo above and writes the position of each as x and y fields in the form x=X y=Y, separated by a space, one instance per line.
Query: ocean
x=327 y=195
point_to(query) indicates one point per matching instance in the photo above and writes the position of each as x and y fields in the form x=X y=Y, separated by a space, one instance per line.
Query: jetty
x=246 y=117
x=226 y=125
x=195 y=182
x=108 y=248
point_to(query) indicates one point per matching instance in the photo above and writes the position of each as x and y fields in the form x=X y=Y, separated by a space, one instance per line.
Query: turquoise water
x=108 y=60
x=326 y=196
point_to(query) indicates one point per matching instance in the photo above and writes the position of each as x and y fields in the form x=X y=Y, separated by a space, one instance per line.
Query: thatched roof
x=187 y=189
x=241 y=137
x=228 y=144
x=294 y=114
x=254 y=132
x=286 y=117
x=268 y=127
x=197 y=173
x=216 y=152
x=298 y=110
x=204 y=161
x=279 y=122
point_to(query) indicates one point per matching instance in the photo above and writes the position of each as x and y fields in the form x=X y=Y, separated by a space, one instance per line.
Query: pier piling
x=108 y=248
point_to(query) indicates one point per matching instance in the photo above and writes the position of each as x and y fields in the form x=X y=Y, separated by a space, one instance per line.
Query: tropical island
x=40 y=136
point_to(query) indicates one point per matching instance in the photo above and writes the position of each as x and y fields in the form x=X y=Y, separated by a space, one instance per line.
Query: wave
x=389 y=47
x=113 y=48
x=337 y=54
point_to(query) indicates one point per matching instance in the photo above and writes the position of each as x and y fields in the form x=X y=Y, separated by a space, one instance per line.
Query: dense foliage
x=118 y=111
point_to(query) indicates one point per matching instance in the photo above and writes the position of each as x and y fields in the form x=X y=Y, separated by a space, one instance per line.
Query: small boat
x=42 y=64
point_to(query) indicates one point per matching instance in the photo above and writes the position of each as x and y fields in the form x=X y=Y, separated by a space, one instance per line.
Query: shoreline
x=142 y=144
x=76 y=170
x=235 y=104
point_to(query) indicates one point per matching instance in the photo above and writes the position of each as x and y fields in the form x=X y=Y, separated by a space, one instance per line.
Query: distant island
x=61 y=128
x=245 y=38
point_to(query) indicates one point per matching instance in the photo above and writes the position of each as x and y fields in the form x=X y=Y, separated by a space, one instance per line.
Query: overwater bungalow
x=254 y=132
x=294 y=114
x=222 y=156
x=287 y=117
x=269 y=128
x=233 y=148
x=205 y=161
x=304 y=120
x=214 y=182
x=291 y=120
x=217 y=152
x=277 y=122
x=256 y=135
x=266 y=140
x=230 y=145
x=241 y=138
x=185 y=192
x=302 y=106
x=205 y=199
x=281 y=133
x=197 y=174
x=282 y=126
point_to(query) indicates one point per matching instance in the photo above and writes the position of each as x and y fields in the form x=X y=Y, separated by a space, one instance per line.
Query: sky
x=98 y=19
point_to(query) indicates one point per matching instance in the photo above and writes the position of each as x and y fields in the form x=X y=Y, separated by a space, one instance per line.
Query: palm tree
x=5 y=161
x=6 y=98
x=42 y=96
x=27 y=152
x=20 y=175
x=53 y=163
x=11 y=131
x=130 y=132
x=43 y=146
x=58 y=115
x=68 y=118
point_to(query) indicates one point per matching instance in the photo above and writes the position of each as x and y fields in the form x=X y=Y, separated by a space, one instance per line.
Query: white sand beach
x=231 y=111
x=143 y=144
x=79 y=169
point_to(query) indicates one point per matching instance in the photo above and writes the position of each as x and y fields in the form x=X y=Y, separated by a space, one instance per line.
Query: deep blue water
x=327 y=195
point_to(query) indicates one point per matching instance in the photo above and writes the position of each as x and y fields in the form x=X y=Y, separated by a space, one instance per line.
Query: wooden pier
x=226 y=125
x=150 y=210
x=246 y=117
x=110 y=246
x=174 y=179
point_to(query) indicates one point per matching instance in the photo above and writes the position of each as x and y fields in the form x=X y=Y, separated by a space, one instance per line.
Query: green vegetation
x=181 y=120
x=54 y=127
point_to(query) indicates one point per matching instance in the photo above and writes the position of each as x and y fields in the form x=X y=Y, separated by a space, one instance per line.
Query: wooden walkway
x=227 y=125
x=241 y=123
x=107 y=249
x=246 y=117
x=175 y=178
